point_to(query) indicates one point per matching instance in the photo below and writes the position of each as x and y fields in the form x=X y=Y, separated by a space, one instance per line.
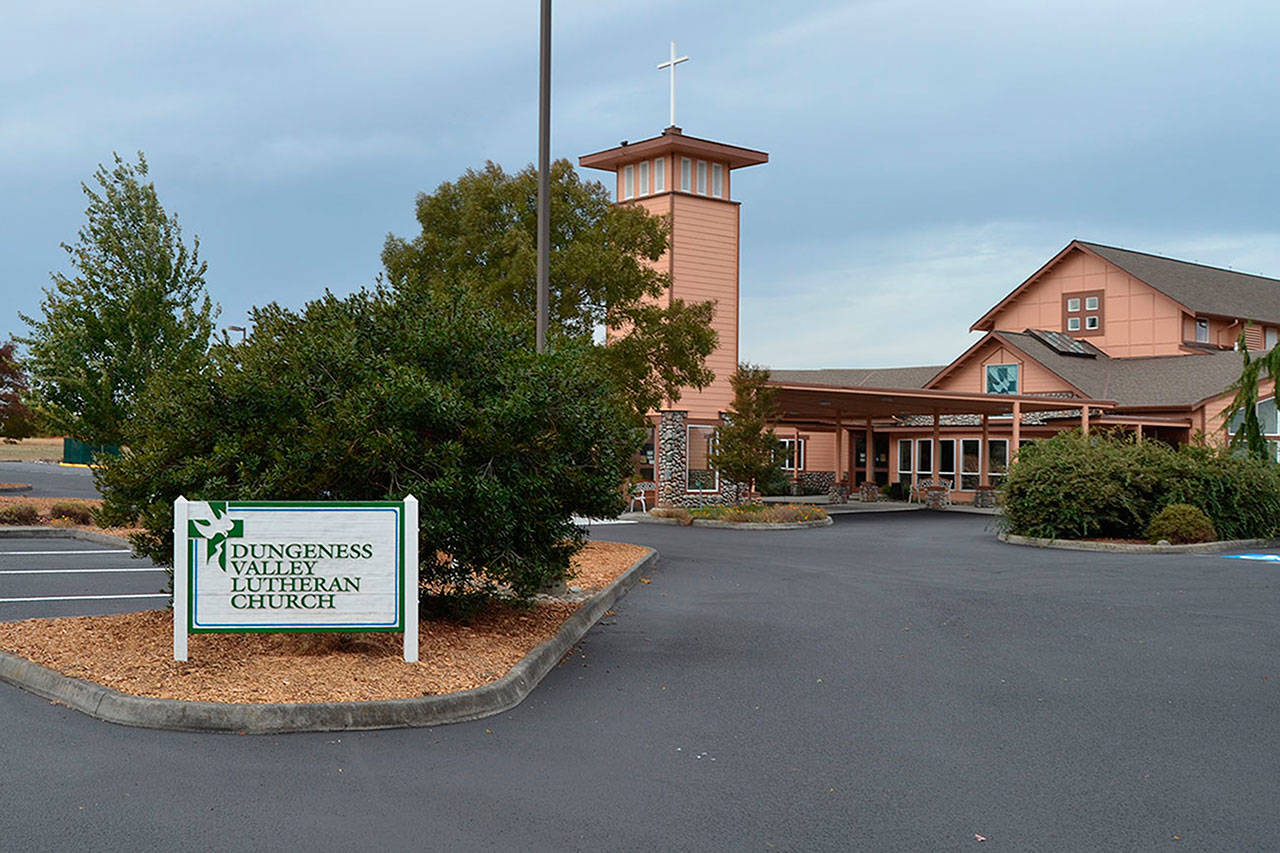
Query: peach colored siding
x=704 y=265
x=1138 y=320
x=971 y=374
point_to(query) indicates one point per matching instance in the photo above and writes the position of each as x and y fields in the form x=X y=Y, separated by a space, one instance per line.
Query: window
x=904 y=456
x=686 y=174
x=1268 y=418
x=1073 y=304
x=789 y=456
x=660 y=175
x=1271 y=338
x=1082 y=312
x=947 y=459
x=1073 y=324
x=643 y=189
x=1091 y=303
x=702 y=178
x=924 y=455
x=1202 y=330
x=1002 y=379
x=717 y=180
x=628 y=181
x=970 y=464
x=1091 y=322
x=997 y=458
x=701 y=477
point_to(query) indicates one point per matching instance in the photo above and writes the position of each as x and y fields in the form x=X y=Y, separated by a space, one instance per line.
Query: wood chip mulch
x=132 y=652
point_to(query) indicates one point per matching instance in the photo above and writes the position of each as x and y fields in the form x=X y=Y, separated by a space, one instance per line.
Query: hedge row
x=1074 y=486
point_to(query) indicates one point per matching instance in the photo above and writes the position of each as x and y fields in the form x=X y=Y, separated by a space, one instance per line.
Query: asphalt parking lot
x=49 y=480
x=893 y=682
x=69 y=577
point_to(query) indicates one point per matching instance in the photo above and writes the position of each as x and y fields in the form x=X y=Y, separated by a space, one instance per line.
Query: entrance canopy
x=824 y=403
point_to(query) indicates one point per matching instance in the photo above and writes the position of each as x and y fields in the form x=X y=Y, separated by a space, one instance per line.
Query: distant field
x=31 y=450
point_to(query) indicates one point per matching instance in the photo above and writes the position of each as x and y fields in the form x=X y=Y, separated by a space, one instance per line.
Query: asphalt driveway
x=894 y=682
x=50 y=480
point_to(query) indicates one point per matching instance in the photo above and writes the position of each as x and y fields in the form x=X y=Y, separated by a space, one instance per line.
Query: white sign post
x=276 y=566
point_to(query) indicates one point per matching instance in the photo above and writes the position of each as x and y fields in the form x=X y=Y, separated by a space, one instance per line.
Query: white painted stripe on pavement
x=82 y=597
x=72 y=571
x=41 y=553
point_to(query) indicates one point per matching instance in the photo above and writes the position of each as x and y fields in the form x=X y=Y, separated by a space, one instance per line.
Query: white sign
x=242 y=566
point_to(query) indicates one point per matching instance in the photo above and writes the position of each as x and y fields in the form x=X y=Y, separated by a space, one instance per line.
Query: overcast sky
x=926 y=156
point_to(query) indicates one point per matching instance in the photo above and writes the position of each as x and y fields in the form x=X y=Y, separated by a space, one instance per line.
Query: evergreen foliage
x=479 y=233
x=134 y=306
x=746 y=449
x=376 y=396
x=1180 y=524
x=1249 y=437
x=1110 y=486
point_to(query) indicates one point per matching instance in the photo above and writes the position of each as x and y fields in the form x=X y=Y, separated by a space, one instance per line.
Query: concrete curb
x=738 y=525
x=15 y=489
x=37 y=532
x=1126 y=548
x=502 y=695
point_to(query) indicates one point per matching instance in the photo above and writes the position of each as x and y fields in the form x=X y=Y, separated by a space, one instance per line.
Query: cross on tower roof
x=672 y=63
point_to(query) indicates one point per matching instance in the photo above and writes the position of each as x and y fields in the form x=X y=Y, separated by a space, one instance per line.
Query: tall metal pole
x=544 y=176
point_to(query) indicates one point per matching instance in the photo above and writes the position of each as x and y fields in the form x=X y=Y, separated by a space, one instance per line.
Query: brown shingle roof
x=1145 y=382
x=878 y=377
x=1203 y=289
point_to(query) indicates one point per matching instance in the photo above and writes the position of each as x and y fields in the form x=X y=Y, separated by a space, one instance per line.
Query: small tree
x=16 y=420
x=135 y=305
x=1248 y=436
x=746 y=448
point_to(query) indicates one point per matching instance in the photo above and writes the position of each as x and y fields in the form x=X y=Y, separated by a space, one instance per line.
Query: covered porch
x=966 y=438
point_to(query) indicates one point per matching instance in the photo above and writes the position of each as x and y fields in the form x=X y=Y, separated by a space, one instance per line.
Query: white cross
x=672 y=63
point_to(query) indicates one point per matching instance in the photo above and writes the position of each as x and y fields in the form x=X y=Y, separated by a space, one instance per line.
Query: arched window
x=1268 y=420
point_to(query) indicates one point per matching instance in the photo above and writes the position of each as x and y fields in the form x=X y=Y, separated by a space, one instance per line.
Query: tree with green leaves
x=379 y=395
x=1244 y=406
x=134 y=305
x=16 y=420
x=479 y=233
x=746 y=449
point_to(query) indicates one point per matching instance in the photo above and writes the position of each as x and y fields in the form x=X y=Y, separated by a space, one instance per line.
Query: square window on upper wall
x=1091 y=303
x=1002 y=379
x=1091 y=322
x=1073 y=324
x=1073 y=304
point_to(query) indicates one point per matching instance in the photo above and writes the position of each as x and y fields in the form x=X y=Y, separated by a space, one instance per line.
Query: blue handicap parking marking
x=1266 y=558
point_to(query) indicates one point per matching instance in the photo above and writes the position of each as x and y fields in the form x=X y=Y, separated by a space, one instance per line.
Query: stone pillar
x=673 y=449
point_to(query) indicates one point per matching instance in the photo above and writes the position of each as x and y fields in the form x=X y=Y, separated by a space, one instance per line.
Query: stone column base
x=984 y=496
x=870 y=492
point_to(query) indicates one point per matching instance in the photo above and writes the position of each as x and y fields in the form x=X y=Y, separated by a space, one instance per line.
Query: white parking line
x=72 y=571
x=40 y=553
x=83 y=597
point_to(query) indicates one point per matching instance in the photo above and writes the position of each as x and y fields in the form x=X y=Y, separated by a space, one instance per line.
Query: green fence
x=76 y=452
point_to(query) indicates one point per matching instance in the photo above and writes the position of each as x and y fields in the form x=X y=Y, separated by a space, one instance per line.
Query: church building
x=1098 y=338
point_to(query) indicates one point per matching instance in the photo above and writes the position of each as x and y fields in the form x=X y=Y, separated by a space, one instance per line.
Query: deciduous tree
x=479 y=232
x=16 y=420
x=134 y=305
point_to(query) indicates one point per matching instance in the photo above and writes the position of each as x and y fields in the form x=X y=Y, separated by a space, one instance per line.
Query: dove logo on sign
x=216 y=531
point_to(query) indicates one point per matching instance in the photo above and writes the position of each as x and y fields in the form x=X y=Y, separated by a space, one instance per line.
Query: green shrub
x=1180 y=524
x=74 y=512
x=19 y=514
x=372 y=397
x=1076 y=486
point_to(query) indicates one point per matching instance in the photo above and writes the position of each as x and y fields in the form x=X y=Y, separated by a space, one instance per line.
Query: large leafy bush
x=1076 y=486
x=376 y=396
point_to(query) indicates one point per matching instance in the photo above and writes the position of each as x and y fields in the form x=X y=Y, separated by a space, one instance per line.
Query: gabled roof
x=880 y=377
x=1150 y=382
x=1203 y=289
x=1198 y=288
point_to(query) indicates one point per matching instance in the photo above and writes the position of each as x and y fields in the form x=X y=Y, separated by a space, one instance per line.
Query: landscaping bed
x=55 y=513
x=746 y=516
x=132 y=652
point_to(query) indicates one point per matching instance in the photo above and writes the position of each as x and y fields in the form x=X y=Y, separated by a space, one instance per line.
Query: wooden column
x=984 y=464
x=1017 y=431
x=795 y=458
x=871 y=454
x=1139 y=433
x=839 y=448
x=1084 y=419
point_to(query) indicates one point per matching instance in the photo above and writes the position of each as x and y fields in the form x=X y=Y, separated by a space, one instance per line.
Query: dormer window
x=1202 y=330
